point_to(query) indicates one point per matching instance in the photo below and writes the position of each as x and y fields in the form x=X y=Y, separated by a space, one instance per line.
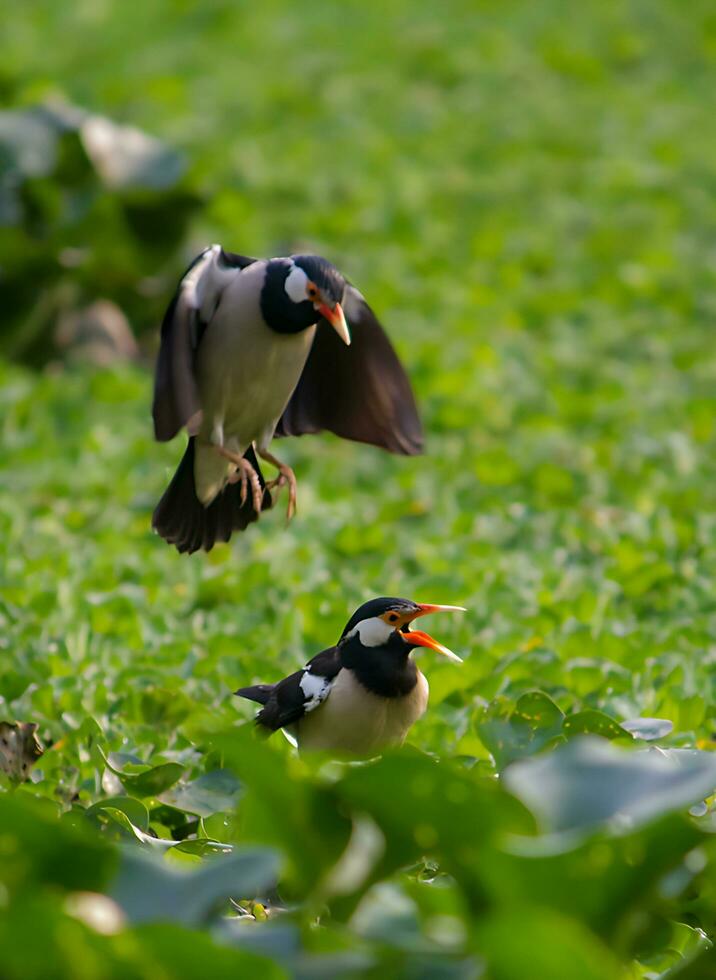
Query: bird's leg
x=247 y=475
x=286 y=477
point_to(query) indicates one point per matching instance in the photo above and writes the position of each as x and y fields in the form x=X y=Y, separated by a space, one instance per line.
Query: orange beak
x=418 y=638
x=336 y=319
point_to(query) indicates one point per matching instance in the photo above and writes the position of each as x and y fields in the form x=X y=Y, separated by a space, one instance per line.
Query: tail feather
x=257 y=692
x=182 y=520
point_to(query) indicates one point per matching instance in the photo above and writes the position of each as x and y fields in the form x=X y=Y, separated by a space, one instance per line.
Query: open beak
x=336 y=319
x=420 y=639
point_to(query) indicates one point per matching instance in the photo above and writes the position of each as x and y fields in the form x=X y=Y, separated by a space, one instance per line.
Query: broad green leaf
x=135 y=810
x=40 y=849
x=151 y=781
x=588 y=782
x=149 y=890
x=213 y=792
x=592 y=722
x=527 y=942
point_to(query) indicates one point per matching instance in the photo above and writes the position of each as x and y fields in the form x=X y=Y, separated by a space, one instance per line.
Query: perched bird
x=252 y=348
x=362 y=695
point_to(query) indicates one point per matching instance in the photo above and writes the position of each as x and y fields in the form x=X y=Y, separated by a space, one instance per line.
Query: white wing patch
x=203 y=285
x=315 y=689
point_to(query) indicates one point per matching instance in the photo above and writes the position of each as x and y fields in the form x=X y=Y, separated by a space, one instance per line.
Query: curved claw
x=286 y=478
x=247 y=476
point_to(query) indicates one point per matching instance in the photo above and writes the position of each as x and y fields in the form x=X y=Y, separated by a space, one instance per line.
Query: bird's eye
x=312 y=292
x=393 y=618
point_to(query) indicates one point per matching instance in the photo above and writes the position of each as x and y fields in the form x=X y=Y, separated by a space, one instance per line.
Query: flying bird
x=362 y=695
x=253 y=348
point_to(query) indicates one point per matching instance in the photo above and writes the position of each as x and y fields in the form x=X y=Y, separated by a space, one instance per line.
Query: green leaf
x=531 y=942
x=213 y=792
x=150 y=890
x=588 y=782
x=135 y=810
x=151 y=781
x=39 y=849
x=591 y=722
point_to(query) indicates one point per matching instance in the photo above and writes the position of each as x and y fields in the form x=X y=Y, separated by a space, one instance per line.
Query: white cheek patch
x=373 y=632
x=315 y=689
x=295 y=285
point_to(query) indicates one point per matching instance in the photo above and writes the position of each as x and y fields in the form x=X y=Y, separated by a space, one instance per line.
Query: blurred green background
x=526 y=194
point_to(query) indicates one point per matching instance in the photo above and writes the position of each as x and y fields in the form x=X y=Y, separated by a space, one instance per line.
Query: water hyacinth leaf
x=134 y=810
x=452 y=813
x=286 y=806
x=648 y=729
x=591 y=722
x=588 y=782
x=540 y=711
x=533 y=942
x=535 y=722
x=597 y=878
x=41 y=849
x=154 y=781
x=213 y=792
x=203 y=846
x=149 y=890
x=193 y=955
x=150 y=781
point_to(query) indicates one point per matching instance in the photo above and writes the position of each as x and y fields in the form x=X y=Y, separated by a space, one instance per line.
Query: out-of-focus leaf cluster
x=88 y=209
x=409 y=864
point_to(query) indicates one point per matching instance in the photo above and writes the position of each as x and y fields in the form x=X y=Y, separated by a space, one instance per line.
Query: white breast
x=247 y=372
x=355 y=721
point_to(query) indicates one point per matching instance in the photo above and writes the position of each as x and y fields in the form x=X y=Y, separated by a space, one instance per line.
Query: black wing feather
x=359 y=392
x=284 y=703
x=176 y=395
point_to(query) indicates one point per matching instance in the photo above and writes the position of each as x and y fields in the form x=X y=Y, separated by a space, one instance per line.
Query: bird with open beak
x=256 y=348
x=362 y=695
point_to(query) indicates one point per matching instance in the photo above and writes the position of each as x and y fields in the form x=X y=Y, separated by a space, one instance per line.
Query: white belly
x=355 y=721
x=246 y=374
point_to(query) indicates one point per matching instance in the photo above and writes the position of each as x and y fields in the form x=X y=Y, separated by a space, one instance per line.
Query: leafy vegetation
x=524 y=192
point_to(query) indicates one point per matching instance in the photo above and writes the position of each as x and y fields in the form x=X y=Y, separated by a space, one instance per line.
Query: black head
x=301 y=289
x=377 y=641
x=380 y=609
x=386 y=622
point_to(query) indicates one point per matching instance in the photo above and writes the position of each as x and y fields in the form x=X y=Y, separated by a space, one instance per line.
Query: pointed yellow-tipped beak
x=417 y=638
x=337 y=320
x=420 y=639
x=426 y=608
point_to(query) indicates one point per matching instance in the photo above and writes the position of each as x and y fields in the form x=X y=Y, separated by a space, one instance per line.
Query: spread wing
x=359 y=392
x=176 y=396
x=297 y=694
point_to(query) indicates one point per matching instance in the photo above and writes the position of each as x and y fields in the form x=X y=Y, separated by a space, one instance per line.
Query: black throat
x=277 y=308
x=386 y=670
